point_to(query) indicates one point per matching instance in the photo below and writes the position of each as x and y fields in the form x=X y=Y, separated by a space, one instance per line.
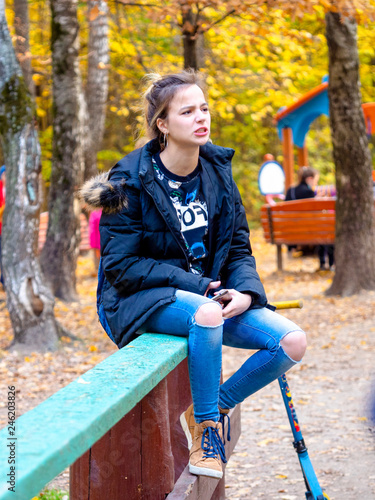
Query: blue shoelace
x=212 y=444
x=222 y=421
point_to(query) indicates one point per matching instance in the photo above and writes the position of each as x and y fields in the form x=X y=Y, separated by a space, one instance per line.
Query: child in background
x=94 y=235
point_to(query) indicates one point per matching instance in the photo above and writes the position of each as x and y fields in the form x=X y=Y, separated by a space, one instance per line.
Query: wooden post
x=288 y=155
x=303 y=158
x=143 y=454
x=279 y=258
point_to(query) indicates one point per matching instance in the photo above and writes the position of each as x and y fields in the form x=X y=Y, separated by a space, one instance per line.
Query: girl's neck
x=180 y=161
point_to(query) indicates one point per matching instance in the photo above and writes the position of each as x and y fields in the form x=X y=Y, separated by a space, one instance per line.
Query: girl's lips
x=201 y=132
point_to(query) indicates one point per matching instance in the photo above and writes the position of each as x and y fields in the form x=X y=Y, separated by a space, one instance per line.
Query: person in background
x=307 y=179
x=303 y=190
x=2 y=207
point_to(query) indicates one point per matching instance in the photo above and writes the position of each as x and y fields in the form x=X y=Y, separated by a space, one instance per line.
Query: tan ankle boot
x=207 y=450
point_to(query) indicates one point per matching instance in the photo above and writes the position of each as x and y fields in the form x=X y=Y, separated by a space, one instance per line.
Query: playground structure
x=300 y=222
x=293 y=123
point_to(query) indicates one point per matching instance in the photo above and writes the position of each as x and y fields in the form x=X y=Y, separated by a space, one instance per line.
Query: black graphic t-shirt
x=191 y=208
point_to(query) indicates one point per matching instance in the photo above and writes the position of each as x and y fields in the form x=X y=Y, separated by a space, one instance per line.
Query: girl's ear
x=161 y=126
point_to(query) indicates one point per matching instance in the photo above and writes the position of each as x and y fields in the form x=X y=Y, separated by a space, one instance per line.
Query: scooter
x=314 y=490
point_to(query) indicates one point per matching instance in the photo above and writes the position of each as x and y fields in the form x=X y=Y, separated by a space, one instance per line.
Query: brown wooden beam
x=303 y=157
x=288 y=155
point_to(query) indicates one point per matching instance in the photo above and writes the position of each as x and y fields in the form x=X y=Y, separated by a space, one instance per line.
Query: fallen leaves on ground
x=328 y=386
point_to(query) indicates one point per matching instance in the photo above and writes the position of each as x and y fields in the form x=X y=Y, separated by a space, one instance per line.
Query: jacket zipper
x=169 y=227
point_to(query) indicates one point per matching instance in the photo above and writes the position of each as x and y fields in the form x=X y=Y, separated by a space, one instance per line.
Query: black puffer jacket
x=142 y=250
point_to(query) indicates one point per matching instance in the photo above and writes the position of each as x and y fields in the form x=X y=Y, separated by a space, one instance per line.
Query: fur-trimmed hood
x=100 y=193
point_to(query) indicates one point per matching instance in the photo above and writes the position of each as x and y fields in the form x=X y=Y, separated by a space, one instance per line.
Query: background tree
x=21 y=25
x=354 y=245
x=60 y=252
x=255 y=61
x=30 y=302
x=97 y=82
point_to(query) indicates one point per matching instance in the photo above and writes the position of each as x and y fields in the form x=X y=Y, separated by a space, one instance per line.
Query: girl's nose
x=200 y=115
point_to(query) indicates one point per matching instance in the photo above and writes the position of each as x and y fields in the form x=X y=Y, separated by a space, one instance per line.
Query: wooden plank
x=190 y=487
x=79 y=478
x=304 y=226
x=307 y=204
x=138 y=457
x=115 y=461
x=156 y=457
x=290 y=216
x=179 y=399
x=290 y=234
x=58 y=431
x=306 y=241
x=310 y=239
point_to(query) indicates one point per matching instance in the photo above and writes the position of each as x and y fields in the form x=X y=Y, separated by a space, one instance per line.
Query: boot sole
x=201 y=471
x=185 y=428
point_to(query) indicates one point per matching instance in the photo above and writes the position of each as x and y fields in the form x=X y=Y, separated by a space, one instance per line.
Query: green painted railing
x=58 y=431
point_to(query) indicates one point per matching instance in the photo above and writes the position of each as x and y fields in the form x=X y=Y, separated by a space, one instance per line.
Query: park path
x=330 y=387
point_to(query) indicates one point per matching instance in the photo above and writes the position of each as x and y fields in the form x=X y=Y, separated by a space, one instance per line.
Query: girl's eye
x=186 y=112
x=205 y=110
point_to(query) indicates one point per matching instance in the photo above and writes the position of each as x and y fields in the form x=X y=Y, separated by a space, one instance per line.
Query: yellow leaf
x=326 y=346
x=281 y=476
x=93 y=348
x=37 y=79
x=40 y=112
x=27 y=359
x=266 y=441
x=242 y=454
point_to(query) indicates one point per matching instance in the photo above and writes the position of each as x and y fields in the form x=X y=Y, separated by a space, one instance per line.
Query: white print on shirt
x=193 y=216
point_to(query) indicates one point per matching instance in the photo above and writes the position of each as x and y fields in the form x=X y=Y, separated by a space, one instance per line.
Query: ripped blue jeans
x=257 y=329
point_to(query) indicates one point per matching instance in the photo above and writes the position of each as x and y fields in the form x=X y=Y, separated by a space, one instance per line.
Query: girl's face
x=188 y=121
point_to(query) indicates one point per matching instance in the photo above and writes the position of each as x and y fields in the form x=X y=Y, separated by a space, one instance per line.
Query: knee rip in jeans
x=209 y=314
x=294 y=344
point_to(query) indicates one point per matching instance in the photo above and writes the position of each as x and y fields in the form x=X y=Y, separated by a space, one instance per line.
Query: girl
x=173 y=233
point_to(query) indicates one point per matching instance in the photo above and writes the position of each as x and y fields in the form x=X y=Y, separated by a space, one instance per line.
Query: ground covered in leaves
x=330 y=388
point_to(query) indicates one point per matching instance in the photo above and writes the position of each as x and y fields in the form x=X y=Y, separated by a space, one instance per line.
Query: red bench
x=299 y=222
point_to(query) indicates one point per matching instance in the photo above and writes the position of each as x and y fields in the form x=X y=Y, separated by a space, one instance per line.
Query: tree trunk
x=29 y=301
x=60 y=252
x=21 y=26
x=97 y=82
x=189 y=38
x=354 y=246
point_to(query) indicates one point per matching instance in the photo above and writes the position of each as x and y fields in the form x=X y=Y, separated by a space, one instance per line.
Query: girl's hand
x=212 y=286
x=237 y=304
